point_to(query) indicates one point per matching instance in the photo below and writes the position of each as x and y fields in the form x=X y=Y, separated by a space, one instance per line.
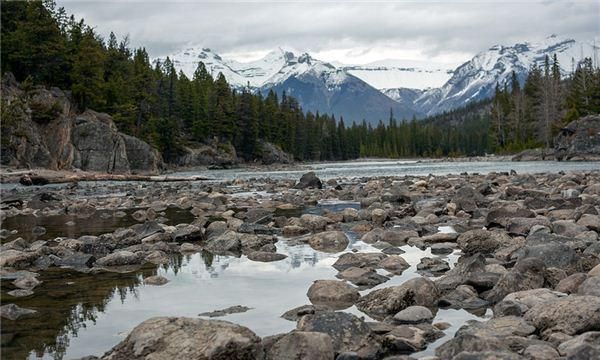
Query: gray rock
x=570 y=315
x=348 y=260
x=348 y=332
x=364 y=278
x=482 y=241
x=388 y=301
x=329 y=241
x=414 y=315
x=591 y=286
x=434 y=266
x=264 y=256
x=187 y=338
x=296 y=313
x=309 y=180
x=527 y=274
x=230 y=310
x=336 y=294
x=14 y=312
x=394 y=264
x=579 y=140
x=300 y=345
x=156 y=280
x=119 y=258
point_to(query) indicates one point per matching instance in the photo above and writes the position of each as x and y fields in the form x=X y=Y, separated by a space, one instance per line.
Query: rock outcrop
x=580 y=140
x=41 y=129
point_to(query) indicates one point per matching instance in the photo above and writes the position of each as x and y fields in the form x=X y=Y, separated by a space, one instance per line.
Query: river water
x=80 y=314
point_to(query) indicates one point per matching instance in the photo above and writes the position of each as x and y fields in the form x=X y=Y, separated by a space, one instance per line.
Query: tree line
x=41 y=44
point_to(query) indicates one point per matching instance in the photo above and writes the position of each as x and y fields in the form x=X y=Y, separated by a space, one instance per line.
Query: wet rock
x=348 y=332
x=264 y=256
x=413 y=315
x=309 y=180
x=570 y=315
x=230 y=310
x=119 y=258
x=300 y=345
x=329 y=241
x=14 y=312
x=482 y=241
x=364 y=278
x=77 y=261
x=296 y=313
x=388 y=301
x=156 y=280
x=527 y=274
x=16 y=259
x=336 y=294
x=483 y=281
x=187 y=338
x=348 y=260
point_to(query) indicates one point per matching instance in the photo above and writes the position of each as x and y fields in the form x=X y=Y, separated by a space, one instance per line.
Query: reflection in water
x=83 y=314
x=102 y=222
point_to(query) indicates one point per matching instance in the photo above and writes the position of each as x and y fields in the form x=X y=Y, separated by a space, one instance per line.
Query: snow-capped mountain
x=476 y=79
x=357 y=92
x=387 y=74
x=317 y=85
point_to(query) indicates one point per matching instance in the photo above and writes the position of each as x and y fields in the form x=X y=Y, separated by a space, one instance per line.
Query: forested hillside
x=43 y=45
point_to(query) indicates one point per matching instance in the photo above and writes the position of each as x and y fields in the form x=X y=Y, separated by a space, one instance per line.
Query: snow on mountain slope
x=476 y=79
x=387 y=74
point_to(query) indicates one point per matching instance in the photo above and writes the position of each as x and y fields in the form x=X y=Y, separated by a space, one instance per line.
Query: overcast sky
x=351 y=32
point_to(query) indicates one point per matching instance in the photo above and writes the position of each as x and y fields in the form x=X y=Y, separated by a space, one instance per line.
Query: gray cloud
x=450 y=29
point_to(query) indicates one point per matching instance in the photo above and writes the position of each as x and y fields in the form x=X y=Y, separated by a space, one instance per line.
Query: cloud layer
x=349 y=32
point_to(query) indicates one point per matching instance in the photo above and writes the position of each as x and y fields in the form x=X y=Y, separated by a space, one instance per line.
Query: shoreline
x=9 y=175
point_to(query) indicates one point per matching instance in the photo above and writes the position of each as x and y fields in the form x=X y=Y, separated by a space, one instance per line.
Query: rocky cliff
x=580 y=140
x=41 y=129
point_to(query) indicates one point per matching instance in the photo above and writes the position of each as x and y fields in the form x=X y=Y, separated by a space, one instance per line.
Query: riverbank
x=398 y=263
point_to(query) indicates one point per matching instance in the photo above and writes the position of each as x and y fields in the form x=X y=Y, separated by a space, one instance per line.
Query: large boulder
x=526 y=275
x=272 y=154
x=483 y=241
x=309 y=180
x=579 y=140
x=187 y=338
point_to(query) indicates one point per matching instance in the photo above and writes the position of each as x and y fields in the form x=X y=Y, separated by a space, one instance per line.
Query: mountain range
x=357 y=92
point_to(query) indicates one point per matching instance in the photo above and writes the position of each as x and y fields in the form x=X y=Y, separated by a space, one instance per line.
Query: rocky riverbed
x=515 y=255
